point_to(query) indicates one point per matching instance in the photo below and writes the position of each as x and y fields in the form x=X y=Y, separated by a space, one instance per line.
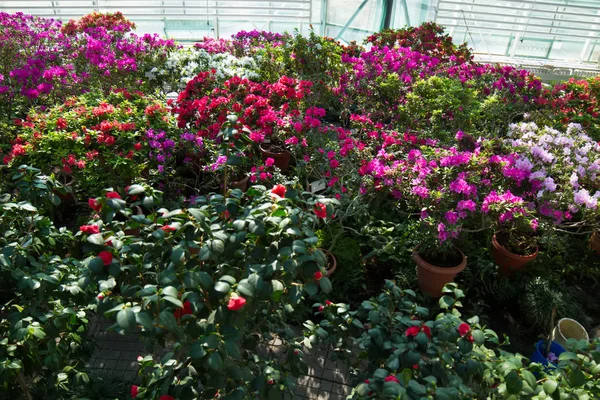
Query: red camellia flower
x=463 y=329
x=413 y=331
x=236 y=303
x=279 y=190
x=113 y=195
x=185 y=310
x=427 y=331
x=321 y=210
x=390 y=378
x=137 y=146
x=94 y=205
x=89 y=229
x=106 y=257
x=168 y=228
x=328 y=302
x=134 y=391
x=321 y=308
x=318 y=275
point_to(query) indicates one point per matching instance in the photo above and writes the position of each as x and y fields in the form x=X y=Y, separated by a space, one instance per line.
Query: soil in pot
x=278 y=153
x=431 y=277
x=507 y=261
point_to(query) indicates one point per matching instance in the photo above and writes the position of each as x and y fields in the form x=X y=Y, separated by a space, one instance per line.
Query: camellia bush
x=411 y=354
x=210 y=283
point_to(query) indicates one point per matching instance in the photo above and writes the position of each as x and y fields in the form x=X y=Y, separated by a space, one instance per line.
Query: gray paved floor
x=116 y=355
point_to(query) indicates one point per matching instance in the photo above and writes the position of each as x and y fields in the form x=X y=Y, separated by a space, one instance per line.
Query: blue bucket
x=538 y=357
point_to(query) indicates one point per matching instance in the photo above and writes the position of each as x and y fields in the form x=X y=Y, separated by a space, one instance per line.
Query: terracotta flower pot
x=241 y=184
x=508 y=262
x=433 y=278
x=282 y=160
x=331 y=263
x=595 y=242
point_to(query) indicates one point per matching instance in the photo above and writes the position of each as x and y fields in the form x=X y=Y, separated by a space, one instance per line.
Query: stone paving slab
x=116 y=356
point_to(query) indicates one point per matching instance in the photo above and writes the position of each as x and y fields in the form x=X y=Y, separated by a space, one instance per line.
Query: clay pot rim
x=510 y=254
x=260 y=146
x=331 y=270
x=421 y=263
x=245 y=179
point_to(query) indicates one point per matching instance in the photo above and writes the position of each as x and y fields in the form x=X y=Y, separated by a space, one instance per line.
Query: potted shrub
x=514 y=243
x=443 y=183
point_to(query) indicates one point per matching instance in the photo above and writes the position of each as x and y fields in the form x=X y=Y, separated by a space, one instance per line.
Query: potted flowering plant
x=441 y=186
x=561 y=168
x=515 y=239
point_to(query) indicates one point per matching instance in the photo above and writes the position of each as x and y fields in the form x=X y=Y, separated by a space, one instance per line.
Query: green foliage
x=44 y=300
x=438 y=107
x=411 y=354
x=217 y=279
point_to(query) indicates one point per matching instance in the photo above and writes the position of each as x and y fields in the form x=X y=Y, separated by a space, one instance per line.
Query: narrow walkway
x=116 y=356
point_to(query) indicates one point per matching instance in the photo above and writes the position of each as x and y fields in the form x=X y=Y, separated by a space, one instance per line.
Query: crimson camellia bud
x=279 y=190
x=100 y=296
x=236 y=303
x=113 y=195
x=318 y=275
x=328 y=302
x=270 y=381
x=296 y=352
x=106 y=257
x=391 y=378
x=134 y=391
x=320 y=210
x=94 y=205
x=321 y=308
x=463 y=329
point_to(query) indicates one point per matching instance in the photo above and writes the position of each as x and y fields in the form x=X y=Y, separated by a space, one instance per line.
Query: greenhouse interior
x=303 y=199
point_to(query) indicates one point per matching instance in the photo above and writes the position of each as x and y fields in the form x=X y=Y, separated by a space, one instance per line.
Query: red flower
x=185 y=310
x=113 y=195
x=134 y=391
x=236 y=303
x=328 y=302
x=61 y=123
x=101 y=297
x=279 y=190
x=321 y=308
x=390 y=378
x=427 y=331
x=106 y=257
x=89 y=229
x=318 y=275
x=168 y=228
x=415 y=366
x=320 y=210
x=93 y=203
x=470 y=338
x=463 y=329
x=413 y=331
x=367 y=381
x=166 y=397
x=137 y=146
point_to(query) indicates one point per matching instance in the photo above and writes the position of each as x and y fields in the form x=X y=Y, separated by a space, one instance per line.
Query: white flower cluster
x=184 y=64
